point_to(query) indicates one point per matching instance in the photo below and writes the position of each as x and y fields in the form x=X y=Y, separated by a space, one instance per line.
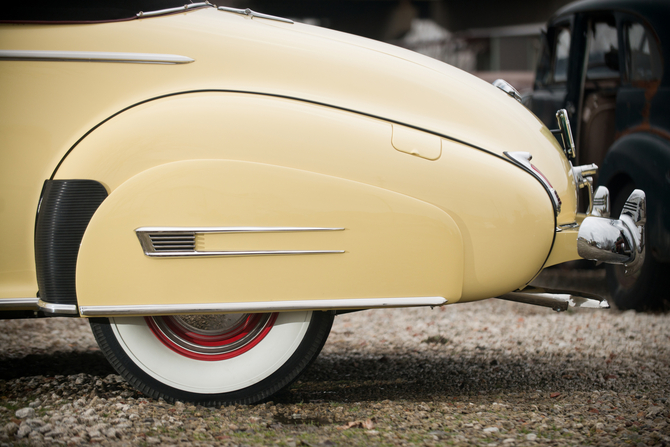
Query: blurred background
x=489 y=38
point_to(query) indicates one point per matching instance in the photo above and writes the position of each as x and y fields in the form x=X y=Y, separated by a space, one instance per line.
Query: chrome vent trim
x=266 y=306
x=167 y=242
x=162 y=242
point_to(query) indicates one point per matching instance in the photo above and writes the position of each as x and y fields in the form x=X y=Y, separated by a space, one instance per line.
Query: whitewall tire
x=213 y=359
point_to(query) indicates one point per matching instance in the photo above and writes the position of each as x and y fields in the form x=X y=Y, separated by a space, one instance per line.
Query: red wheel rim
x=211 y=337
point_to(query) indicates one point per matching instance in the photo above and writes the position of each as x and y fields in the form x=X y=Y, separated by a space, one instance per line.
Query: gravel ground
x=486 y=373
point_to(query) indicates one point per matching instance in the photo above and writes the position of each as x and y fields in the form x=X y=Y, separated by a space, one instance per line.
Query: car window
x=561 y=54
x=603 y=59
x=643 y=58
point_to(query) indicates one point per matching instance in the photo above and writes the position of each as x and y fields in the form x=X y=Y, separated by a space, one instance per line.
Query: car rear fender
x=498 y=208
x=218 y=231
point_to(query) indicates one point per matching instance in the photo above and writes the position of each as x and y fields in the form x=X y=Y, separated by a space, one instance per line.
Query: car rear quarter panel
x=490 y=209
x=365 y=88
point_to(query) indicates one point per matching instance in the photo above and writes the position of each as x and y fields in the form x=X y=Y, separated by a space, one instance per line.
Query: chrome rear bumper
x=615 y=241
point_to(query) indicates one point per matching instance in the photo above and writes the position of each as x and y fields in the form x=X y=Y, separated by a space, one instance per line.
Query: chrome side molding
x=160 y=12
x=50 y=308
x=19 y=304
x=256 y=307
x=616 y=241
x=523 y=159
x=249 y=13
x=93 y=56
x=180 y=242
x=558 y=300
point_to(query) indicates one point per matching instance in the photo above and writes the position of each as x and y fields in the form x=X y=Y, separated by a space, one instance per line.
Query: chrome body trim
x=558 y=300
x=50 y=308
x=266 y=306
x=171 y=242
x=615 y=241
x=214 y=254
x=566 y=134
x=507 y=88
x=19 y=304
x=249 y=13
x=159 y=12
x=523 y=159
x=583 y=178
x=93 y=56
x=235 y=229
x=567 y=226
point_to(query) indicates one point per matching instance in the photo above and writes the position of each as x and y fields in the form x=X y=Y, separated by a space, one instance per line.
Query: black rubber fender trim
x=65 y=210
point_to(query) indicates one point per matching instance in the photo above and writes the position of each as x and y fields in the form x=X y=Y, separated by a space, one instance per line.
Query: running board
x=558 y=300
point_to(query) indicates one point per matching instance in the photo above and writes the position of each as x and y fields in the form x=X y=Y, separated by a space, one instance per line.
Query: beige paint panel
x=417 y=143
x=48 y=106
x=504 y=215
x=565 y=247
x=395 y=246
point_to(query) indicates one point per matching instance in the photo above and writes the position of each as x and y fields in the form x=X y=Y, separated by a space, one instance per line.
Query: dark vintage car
x=604 y=62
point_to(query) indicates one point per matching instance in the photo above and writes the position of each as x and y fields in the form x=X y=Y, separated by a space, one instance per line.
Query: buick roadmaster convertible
x=210 y=186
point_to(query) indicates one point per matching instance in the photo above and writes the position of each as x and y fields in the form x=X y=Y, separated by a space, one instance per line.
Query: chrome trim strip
x=192 y=254
x=266 y=306
x=19 y=303
x=171 y=10
x=93 y=56
x=183 y=241
x=232 y=229
x=70 y=309
x=248 y=12
x=523 y=159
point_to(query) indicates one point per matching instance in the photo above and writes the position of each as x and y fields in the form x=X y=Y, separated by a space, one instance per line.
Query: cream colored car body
x=275 y=125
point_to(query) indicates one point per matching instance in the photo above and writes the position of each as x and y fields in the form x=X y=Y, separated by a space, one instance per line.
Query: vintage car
x=210 y=186
x=605 y=63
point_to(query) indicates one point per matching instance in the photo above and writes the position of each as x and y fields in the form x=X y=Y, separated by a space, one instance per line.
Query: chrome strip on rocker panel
x=267 y=306
x=70 y=309
x=182 y=241
x=93 y=56
x=19 y=303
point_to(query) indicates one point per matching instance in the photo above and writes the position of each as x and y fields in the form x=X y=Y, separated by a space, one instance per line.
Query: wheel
x=213 y=359
x=646 y=289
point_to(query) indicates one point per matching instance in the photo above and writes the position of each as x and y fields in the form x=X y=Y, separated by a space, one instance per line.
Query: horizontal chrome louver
x=162 y=242
x=172 y=241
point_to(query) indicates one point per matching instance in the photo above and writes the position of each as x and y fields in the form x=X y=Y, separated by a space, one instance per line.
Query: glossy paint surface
x=299 y=99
